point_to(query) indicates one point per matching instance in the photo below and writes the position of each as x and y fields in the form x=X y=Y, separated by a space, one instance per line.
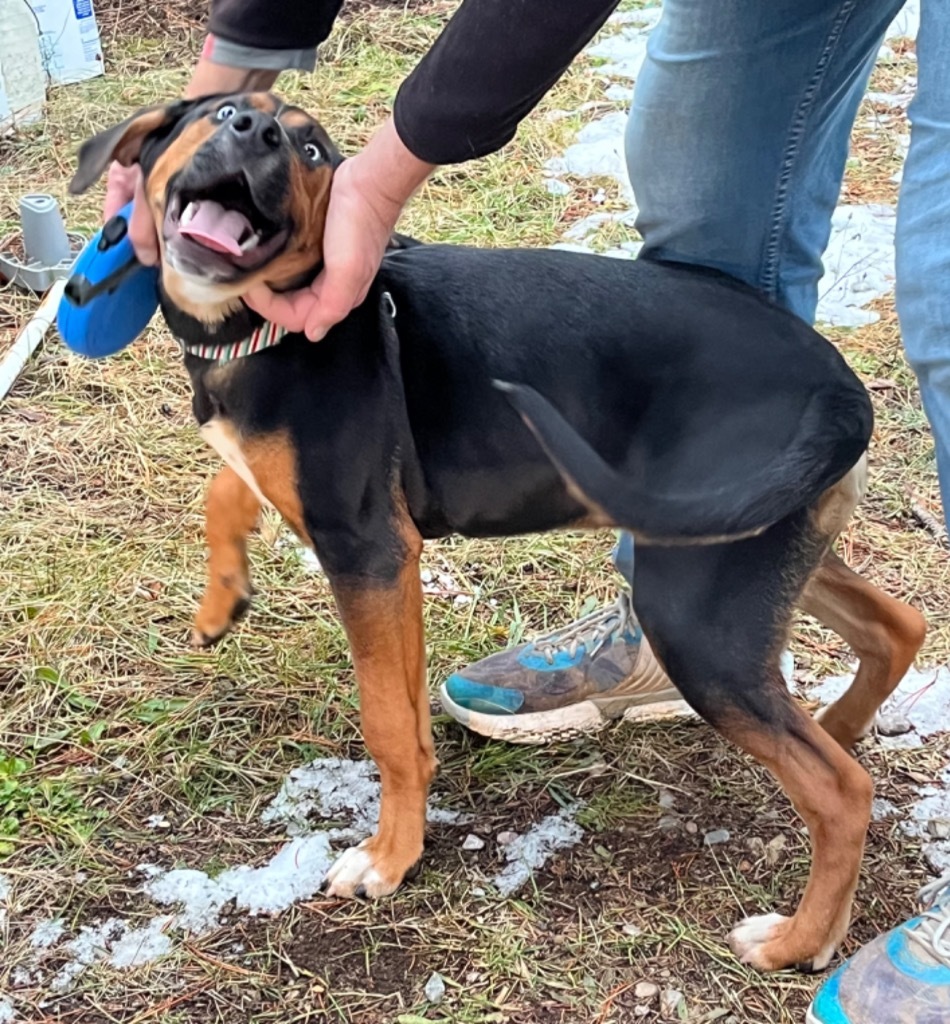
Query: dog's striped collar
x=265 y=336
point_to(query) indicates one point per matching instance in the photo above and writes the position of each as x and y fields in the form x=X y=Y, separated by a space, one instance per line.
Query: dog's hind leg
x=717 y=618
x=231 y=513
x=884 y=633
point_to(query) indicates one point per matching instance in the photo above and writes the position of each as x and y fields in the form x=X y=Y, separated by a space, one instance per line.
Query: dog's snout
x=257 y=126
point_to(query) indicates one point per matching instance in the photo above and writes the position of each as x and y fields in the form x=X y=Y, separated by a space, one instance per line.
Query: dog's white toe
x=354 y=873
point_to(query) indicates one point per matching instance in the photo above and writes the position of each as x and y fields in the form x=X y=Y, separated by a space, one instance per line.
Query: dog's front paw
x=769 y=943
x=220 y=610
x=365 y=871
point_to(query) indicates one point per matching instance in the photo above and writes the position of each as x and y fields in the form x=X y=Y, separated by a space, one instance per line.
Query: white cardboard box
x=69 y=40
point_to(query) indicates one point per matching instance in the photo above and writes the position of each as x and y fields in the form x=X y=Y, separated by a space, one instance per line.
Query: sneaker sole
x=571 y=721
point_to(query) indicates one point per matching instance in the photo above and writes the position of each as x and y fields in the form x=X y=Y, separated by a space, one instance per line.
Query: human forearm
x=491 y=65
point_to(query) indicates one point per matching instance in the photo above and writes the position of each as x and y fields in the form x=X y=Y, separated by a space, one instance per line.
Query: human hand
x=123 y=184
x=366 y=198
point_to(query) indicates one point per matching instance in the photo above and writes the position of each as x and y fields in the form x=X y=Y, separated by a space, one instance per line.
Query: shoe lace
x=932 y=930
x=592 y=632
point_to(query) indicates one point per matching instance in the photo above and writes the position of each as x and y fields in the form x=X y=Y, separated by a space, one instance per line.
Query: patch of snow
x=923 y=696
x=557 y=187
x=157 y=821
x=526 y=853
x=598 y=151
x=328 y=788
x=617 y=93
x=931 y=809
x=907 y=22
x=141 y=945
x=332 y=789
x=47 y=933
x=91 y=944
x=882 y=809
x=295 y=872
x=859 y=264
x=4 y=888
x=7 y=1013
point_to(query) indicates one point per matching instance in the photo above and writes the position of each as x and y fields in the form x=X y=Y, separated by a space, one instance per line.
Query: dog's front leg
x=231 y=513
x=383 y=621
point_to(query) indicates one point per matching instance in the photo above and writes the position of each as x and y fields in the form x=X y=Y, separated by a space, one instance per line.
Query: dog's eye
x=313 y=151
x=228 y=110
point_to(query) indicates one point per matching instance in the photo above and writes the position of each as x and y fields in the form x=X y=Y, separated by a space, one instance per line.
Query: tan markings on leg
x=232 y=511
x=884 y=633
x=384 y=625
x=832 y=792
x=267 y=463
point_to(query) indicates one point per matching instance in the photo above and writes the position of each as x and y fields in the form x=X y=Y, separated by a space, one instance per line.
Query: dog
x=500 y=392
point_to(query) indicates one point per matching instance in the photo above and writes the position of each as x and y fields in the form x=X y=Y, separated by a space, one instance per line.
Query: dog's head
x=238 y=187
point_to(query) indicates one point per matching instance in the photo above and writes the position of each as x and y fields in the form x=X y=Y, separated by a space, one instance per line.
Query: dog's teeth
x=188 y=213
x=251 y=242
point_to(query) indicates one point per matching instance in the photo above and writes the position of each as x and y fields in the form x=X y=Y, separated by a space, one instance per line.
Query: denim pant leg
x=923 y=232
x=738 y=138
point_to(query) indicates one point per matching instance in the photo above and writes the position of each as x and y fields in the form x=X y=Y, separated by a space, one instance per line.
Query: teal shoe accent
x=483 y=697
x=529 y=658
x=826 y=1009
x=903 y=957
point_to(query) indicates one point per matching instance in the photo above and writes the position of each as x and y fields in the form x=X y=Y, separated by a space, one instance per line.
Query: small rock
x=670 y=1001
x=434 y=989
x=668 y=822
x=719 y=835
x=667 y=799
x=773 y=850
x=692 y=828
x=939 y=828
x=632 y=930
x=893 y=723
x=472 y=977
x=506 y=838
x=594 y=886
x=641 y=1010
x=646 y=990
x=745 y=865
x=478 y=891
x=473 y=842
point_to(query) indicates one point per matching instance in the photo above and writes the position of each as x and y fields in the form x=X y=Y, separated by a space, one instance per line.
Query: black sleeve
x=273 y=24
x=487 y=70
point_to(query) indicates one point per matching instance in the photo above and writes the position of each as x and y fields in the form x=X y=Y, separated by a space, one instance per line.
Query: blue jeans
x=736 y=148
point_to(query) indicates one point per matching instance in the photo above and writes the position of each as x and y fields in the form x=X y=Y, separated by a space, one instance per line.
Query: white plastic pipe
x=28 y=339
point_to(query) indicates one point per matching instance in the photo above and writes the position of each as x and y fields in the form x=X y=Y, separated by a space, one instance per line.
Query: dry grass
x=107 y=718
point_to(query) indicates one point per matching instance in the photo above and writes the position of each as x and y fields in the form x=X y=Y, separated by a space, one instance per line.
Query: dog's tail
x=832 y=434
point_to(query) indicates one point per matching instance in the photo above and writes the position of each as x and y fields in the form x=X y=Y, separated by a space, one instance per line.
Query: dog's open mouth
x=220 y=226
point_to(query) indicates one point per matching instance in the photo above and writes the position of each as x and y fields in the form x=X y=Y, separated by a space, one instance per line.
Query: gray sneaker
x=901 y=977
x=567 y=684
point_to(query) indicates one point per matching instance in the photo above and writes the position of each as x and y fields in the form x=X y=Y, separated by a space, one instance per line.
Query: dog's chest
x=223 y=438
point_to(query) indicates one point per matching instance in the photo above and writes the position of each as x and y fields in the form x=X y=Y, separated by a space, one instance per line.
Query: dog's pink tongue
x=214 y=227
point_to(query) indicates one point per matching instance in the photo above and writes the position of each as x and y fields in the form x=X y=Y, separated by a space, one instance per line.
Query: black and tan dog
x=723 y=432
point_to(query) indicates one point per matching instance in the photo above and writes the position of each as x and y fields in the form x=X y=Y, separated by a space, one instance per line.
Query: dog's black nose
x=255 y=125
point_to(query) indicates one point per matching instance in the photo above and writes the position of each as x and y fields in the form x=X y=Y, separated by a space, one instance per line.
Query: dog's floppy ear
x=124 y=141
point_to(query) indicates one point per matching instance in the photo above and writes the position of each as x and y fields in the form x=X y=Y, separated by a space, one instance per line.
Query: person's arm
x=487 y=70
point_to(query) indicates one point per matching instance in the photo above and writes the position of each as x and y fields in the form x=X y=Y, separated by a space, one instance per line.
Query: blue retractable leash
x=110 y=297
